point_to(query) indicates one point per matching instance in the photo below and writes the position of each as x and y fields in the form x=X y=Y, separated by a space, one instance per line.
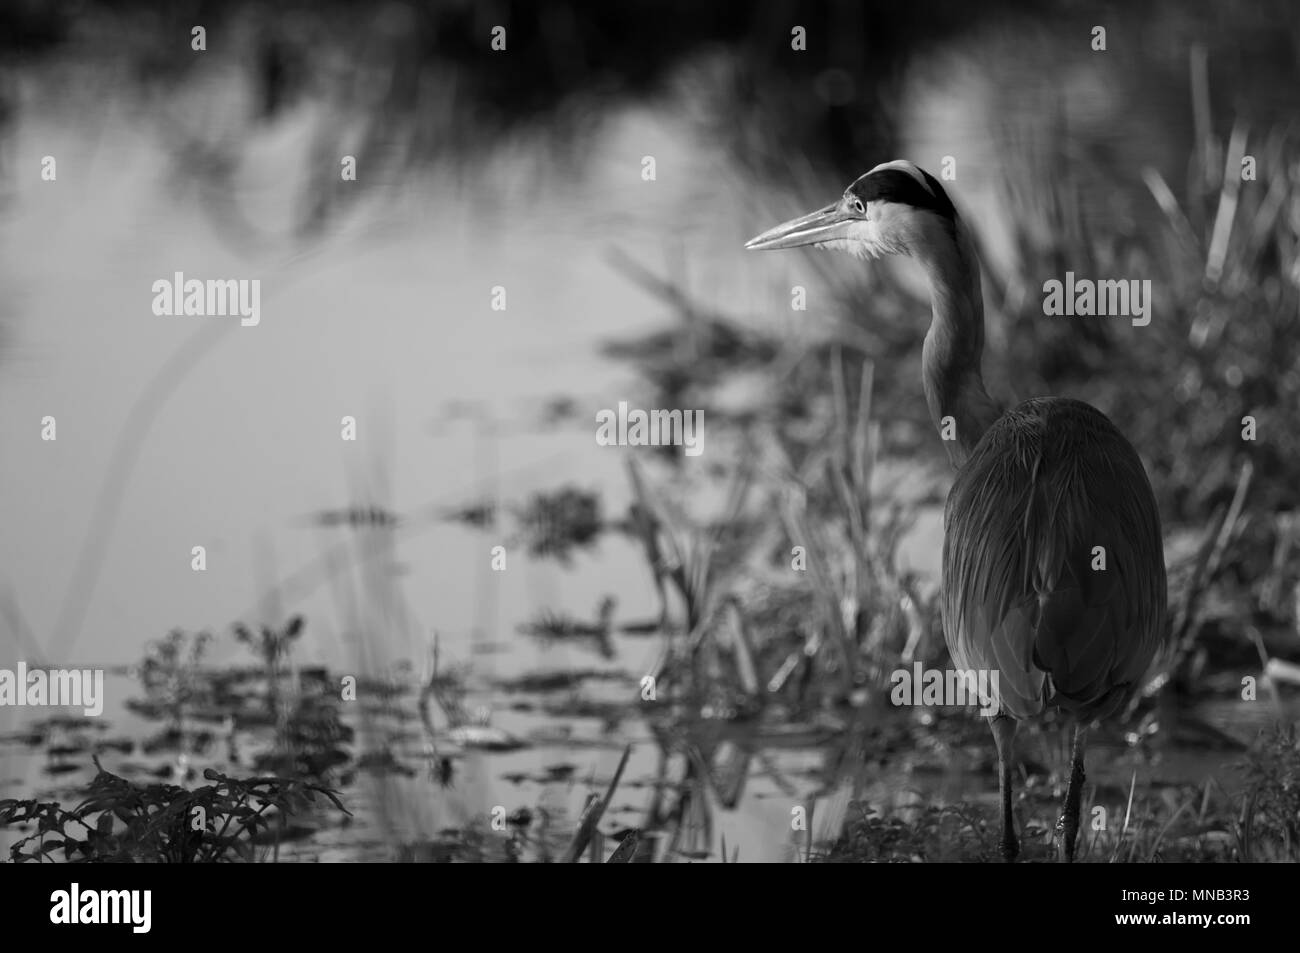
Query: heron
x=1053 y=574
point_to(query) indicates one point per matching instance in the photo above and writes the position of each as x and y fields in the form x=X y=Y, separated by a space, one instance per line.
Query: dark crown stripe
x=891 y=185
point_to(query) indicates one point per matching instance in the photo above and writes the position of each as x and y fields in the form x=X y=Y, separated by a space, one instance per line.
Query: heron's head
x=895 y=209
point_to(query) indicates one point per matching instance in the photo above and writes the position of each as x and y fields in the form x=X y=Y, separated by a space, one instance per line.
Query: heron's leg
x=1004 y=734
x=1069 y=823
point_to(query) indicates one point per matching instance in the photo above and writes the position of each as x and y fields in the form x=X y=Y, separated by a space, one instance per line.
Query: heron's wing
x=1053 y=568
x=988 y=614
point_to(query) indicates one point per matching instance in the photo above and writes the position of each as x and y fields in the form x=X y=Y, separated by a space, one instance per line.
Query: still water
x=388 y=320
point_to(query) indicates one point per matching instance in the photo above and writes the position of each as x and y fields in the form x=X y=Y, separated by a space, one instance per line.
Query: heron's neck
x=954 y=387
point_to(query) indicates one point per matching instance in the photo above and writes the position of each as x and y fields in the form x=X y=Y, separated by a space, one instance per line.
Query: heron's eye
x=859 y=207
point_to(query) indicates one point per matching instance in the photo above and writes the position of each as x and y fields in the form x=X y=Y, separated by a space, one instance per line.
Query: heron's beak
x=824 y=225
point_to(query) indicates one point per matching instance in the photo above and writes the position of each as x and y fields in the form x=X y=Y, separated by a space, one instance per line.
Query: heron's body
x=1053 y=569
